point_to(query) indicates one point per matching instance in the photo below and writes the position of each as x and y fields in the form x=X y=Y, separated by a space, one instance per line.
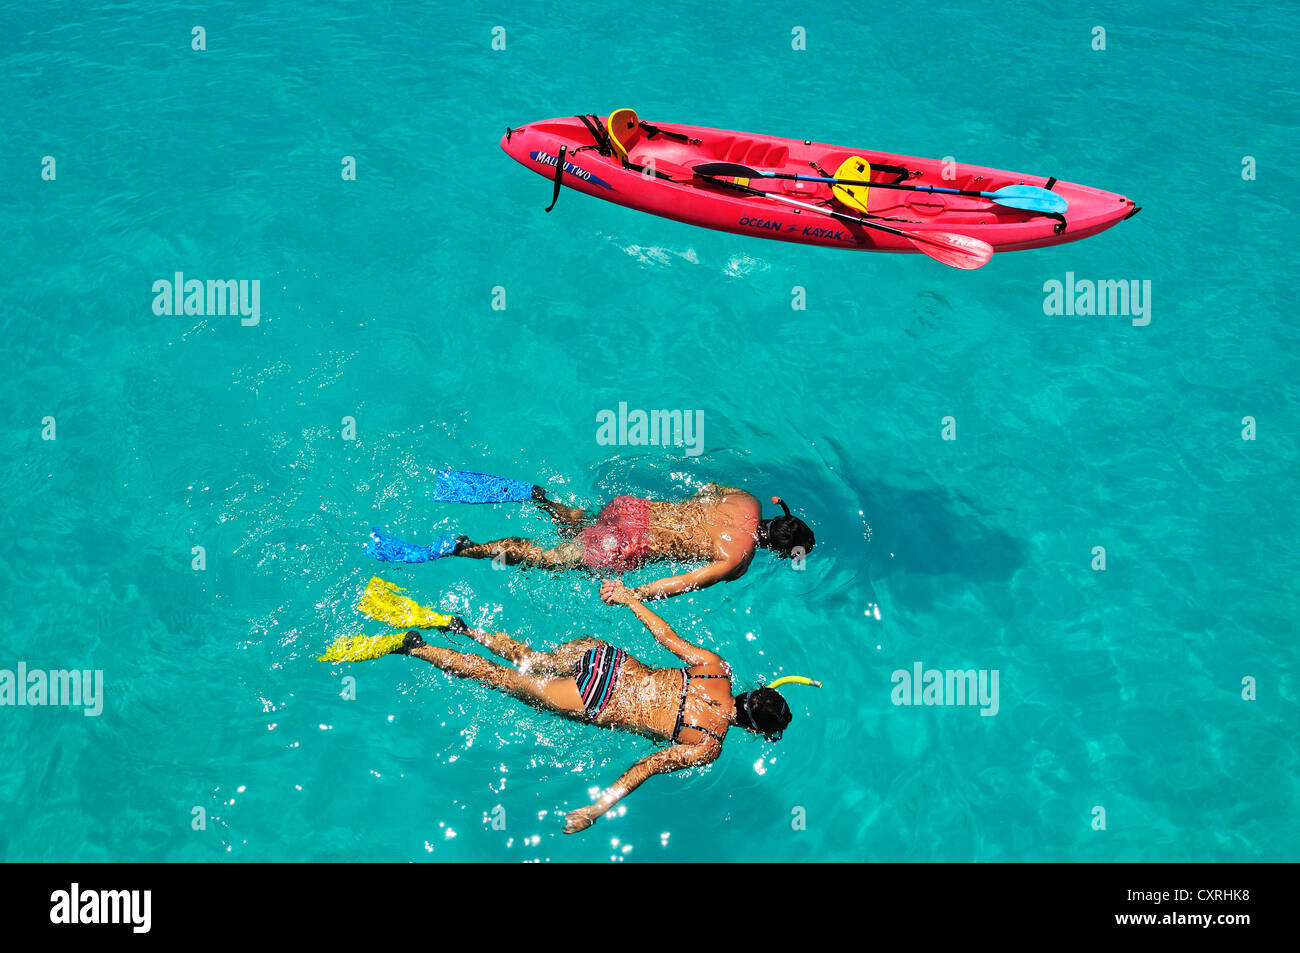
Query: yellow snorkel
x=795 y=680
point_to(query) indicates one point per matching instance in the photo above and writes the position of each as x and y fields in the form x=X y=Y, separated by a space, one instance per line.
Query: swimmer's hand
x=616 y=594
x=580 y=819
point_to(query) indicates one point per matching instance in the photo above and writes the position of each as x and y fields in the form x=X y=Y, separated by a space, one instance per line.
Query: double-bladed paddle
x=959 y=251
x=1031 y=198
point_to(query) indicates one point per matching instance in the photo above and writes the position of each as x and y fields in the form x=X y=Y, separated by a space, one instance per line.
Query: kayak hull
x=688 y=198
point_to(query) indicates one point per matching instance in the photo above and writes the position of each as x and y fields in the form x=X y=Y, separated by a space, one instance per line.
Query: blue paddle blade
x=462 y=486
x=1031 y=198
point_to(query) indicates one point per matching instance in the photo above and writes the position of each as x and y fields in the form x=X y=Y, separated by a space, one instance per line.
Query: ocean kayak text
x=809 y=231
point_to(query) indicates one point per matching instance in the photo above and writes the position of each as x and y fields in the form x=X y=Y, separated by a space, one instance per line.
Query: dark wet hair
x=763 y=710
x=785 y=534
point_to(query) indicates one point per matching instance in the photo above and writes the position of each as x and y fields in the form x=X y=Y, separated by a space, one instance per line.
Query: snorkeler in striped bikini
x=689 y=707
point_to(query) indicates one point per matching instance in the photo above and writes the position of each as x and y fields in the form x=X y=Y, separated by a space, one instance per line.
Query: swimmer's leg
x=558 y=661
x=554 y=694
x=568 y=518
x=517 y=551
x=512 y=650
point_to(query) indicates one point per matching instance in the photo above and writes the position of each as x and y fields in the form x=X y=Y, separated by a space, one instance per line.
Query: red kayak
x=801 y=191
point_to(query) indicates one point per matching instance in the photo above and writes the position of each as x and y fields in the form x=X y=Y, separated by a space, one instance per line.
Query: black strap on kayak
x=652 y=131
x=826 y=175
x=600 y=137
x=897 y=170
x=1059 y=227
x=884 y=218
x=559 y=174
x=606 y=147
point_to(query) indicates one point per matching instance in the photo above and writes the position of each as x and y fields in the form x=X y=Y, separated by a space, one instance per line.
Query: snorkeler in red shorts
x=723 y=526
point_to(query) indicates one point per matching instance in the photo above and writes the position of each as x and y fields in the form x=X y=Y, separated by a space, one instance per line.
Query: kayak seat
x=624 y=130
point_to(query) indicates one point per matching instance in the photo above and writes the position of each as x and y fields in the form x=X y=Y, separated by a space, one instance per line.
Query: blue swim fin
x=462 y=486
x=389 y=549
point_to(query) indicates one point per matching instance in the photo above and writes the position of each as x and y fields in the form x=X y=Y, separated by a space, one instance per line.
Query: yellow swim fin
x=360 y=648
x=381 y=602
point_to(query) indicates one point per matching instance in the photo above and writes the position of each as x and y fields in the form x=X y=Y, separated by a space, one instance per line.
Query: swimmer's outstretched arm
x=661 y=762
x=701 y=578
x=615 y=593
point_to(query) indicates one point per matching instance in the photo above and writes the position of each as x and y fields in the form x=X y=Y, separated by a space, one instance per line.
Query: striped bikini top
x=681 y=711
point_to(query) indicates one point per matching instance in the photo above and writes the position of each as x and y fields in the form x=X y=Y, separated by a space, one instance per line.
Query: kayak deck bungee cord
x=808 y=192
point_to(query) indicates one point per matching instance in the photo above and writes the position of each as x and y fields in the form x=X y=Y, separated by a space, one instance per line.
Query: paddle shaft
x=746 y=172
x=841 y=216
x=879 y=185
x=956 y=251
x=874 y=185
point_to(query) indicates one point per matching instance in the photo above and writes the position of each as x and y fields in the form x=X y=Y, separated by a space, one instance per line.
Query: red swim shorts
x=619 y=540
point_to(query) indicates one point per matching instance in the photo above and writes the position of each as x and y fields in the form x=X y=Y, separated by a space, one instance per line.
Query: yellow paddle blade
x=624 y=129
x=382 y=603
x=359 y=648
x=854 y=196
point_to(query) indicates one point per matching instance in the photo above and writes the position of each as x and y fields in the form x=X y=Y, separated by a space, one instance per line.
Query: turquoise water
x=1120 y=689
